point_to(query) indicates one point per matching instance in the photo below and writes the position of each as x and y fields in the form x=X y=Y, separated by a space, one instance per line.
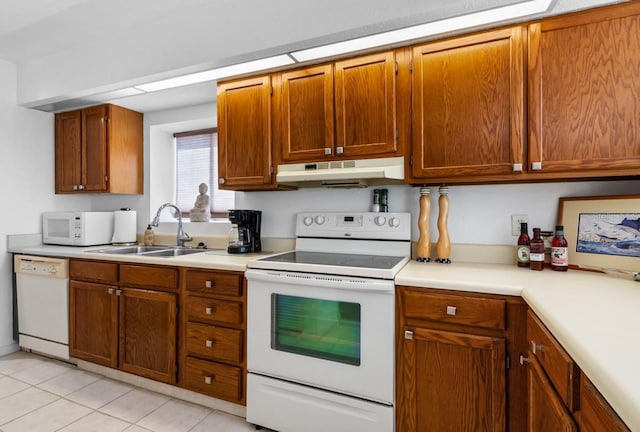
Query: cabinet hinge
x=410 y=67
x=396 y=66
x=271 y=170
x=271 y=91
x=411 y=160
x=106 y=179
x=508 y=362
x=397 y=134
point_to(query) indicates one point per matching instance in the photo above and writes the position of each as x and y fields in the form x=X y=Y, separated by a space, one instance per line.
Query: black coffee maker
x=248 y=237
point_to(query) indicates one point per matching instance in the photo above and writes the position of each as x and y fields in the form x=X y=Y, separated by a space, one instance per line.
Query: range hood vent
x=348 y=173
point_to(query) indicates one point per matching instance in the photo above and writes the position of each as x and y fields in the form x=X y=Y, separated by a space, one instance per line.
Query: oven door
x=325 y=331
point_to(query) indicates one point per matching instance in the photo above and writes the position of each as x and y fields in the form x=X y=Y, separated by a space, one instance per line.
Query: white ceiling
x=194 y=34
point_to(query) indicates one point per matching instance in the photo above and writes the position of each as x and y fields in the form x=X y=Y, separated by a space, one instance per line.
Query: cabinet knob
x=208 y=343
x=339 y=150
x=536 y=348
x=111 y=291
x=118 y=292
x=536 y=166
x=517 y=167
x=524 y=359
x=408 y=334
x=208 y=310
x=75 y=187
x=208 y=380
x=451 y=310
x=208 y=284
x=81 y=187
x=220 y=181
x=327 y=150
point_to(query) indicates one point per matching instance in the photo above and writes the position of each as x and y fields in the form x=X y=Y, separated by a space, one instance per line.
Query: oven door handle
x=345 y=283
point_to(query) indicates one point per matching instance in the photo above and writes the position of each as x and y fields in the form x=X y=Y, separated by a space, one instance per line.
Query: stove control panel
x=365 y=225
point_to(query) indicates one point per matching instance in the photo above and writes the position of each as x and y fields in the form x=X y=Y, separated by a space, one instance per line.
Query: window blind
x=197 y=162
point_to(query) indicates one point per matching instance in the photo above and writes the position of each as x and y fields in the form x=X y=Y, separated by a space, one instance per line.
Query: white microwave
x=77 y=228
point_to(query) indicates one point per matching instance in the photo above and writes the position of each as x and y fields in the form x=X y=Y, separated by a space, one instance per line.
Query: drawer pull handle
x=451 y=310
x=208 y=343
x=111 y=291
x=536 y=348
x=208 y=284
x=408 y=334
x=524 y=359
x=208 y=310
x=208 y=380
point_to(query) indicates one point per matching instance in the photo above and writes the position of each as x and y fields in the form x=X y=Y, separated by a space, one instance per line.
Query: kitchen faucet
x=182 y=236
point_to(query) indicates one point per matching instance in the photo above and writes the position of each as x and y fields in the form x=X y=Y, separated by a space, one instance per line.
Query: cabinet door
x=365 y=96
x=595 y=413
x=94 y=149
x=68 y=151
x=451 y=382
x=468 y=106
x=148 y=334
x=546 y=410
x=93 y=323
x=305 y=114
x=244 y=134
x=584 y=81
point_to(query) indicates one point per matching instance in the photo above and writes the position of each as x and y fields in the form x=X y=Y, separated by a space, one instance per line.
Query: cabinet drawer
x=93 y=271
x=213 y=379
x=212 y=311
x=554 y=360
x=477 y=312
x=149 y=276
x=227 y=284
x=214 y=343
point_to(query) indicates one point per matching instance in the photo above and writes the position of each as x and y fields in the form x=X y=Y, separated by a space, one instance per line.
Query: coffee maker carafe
x=248 y=238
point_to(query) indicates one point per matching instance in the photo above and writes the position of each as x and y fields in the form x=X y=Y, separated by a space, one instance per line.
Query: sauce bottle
x=523 y=246
x=536 y=248
x=559 y=251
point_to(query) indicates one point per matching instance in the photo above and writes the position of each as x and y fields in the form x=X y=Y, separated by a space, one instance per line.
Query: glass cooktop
x=336 y=259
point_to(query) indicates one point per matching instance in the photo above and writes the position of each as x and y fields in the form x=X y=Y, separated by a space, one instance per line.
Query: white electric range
x=320 y=335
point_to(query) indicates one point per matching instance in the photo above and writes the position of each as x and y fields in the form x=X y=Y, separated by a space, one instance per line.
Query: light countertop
x=594 y=316
x=217 y=259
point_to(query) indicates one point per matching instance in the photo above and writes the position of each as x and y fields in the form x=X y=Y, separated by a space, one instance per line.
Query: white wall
x=477 y=215
x=26 y=183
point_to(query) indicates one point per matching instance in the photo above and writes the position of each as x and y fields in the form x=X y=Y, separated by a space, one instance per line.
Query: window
x=197 y=162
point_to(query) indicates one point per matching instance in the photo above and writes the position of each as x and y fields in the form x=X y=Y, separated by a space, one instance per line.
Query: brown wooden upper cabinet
x=244 y=134
x=346 y=109
x=584 y=87
x=468 y=107
x=99 y=149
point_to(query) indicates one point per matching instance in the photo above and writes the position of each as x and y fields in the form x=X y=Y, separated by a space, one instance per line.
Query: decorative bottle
x=559 y=251
x=536 y=248
x=523 y=246
x=443 y=247
x=423 y=249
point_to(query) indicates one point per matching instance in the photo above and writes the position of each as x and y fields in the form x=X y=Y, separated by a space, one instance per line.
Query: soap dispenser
x=149 y=236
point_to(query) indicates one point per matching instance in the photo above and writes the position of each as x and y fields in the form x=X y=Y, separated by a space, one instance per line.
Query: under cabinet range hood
x=342 y=174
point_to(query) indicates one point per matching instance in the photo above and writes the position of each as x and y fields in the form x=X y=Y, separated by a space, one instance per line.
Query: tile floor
x=38 y=394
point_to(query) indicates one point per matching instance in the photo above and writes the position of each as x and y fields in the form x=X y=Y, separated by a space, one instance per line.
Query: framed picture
x=602 y=231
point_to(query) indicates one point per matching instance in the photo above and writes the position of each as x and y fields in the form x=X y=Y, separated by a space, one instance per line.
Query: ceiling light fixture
x=214 y=74
x=489 y=16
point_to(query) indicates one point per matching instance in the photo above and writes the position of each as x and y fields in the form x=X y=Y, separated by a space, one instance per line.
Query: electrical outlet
x=515 y=223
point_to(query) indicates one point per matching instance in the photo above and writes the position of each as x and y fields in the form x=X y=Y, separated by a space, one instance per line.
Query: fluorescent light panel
x=423 y=30
x=395 y=36
x=213 y=74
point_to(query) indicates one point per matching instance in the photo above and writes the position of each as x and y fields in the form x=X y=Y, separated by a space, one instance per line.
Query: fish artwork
x=609 y=234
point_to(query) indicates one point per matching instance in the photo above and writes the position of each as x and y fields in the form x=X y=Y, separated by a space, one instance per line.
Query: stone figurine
x=200 y=211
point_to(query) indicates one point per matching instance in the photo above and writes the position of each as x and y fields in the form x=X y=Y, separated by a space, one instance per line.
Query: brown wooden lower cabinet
x=213 y=349
x=133 y=329
x=547 y=412
x=148 y=330
x=93 y=322
x=561 y=397
x=453 y=361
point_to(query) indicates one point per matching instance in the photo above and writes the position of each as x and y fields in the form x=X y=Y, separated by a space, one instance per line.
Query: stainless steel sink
x=151 y=251
x=174 y=252
x=130 y=249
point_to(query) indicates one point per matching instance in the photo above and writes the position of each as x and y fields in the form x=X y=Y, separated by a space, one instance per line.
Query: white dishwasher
x=42 y=285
